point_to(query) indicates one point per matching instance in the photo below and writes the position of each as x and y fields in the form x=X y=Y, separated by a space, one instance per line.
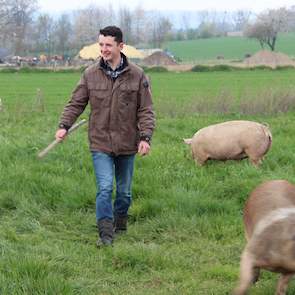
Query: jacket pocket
x=99 y=95
x=128 y=92
x=128 y=103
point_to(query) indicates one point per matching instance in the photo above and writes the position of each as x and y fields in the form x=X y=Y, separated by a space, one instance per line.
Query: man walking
x=121 y=124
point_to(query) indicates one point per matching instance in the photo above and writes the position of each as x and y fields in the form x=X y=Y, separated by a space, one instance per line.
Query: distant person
x=68 y=62
x=121 y=124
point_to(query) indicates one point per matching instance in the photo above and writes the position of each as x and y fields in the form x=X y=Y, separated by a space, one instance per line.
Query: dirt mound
x=159 y=58
x=269 y=58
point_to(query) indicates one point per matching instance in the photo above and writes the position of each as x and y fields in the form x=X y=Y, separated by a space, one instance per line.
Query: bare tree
x=223 y=25
x=241 y=19
x=207 y=30
x=291 y=19
x=110 y=14
x=63 y=33
x=161 y=28
x=126 y=24
x=4 y=21
x=186 y=25
x=4 y=14
x=18 y=16
x=203 y=16
x=256 y=31
x=87 y=23
x=267 y=27
x=139 y=25
x=44 y=34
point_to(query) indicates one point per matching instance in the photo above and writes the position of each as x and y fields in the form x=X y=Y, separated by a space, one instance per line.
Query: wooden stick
x=57 y=141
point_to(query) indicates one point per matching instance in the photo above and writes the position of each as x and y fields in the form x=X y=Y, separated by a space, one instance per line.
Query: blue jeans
x=105 y=165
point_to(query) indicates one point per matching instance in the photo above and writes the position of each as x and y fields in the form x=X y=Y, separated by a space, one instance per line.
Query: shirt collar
x=122 y=65
x=114 y=74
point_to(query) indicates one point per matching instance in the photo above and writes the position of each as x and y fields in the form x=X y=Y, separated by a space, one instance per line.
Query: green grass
x=186 y=232
x=232 y=48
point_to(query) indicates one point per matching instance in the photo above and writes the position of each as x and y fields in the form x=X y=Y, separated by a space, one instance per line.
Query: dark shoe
x=103 y=243
x=105 y=231
x=120 y=224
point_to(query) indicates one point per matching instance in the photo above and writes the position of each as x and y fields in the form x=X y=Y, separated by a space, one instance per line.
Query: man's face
x=109 y=48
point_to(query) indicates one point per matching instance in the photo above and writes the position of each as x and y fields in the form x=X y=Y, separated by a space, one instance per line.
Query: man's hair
x=112 y=31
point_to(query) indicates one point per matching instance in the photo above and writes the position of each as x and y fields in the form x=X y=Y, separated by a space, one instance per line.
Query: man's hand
x=60 y=134
x=143 y=148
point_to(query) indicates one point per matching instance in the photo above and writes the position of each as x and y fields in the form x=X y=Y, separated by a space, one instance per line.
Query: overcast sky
x=164 y=5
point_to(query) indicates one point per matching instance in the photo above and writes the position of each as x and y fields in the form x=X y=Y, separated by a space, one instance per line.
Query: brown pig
x=232 y=140
x=269 y=219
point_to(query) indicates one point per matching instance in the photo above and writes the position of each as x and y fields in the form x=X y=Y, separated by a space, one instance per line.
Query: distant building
x=235 y=34
x=149 y=51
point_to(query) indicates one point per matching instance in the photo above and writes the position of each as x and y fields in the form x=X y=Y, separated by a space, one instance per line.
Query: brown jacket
x=120 y=110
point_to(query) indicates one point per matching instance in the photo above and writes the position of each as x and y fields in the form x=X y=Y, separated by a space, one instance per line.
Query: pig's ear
x=187 y=140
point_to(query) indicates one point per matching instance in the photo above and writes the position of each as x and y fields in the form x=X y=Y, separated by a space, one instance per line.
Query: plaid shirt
x=114 y=74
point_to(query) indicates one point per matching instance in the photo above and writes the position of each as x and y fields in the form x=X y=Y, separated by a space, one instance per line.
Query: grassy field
x=186 y=232
x=232 y=48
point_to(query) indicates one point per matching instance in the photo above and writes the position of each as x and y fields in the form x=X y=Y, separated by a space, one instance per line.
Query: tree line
x=25 y=30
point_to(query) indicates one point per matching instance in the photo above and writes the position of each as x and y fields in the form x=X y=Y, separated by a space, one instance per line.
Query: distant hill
x=233 y=48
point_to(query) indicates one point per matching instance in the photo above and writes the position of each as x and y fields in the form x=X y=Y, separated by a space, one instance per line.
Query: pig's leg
x=246 y=273
x=256 y=275
x=199 y=156
x=283 y=284
x=254 y=158
x=200 y=161
x=255 y=162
